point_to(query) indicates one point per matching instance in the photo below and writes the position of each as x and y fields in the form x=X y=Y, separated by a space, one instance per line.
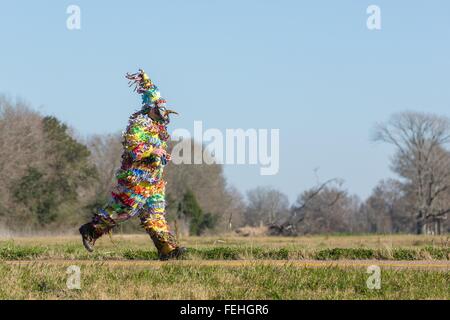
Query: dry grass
x=191 y=281
x=337 y=241
x=139 y=247
x=222 y=268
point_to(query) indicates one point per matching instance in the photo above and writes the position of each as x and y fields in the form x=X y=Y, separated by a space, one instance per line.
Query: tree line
x=53 y=180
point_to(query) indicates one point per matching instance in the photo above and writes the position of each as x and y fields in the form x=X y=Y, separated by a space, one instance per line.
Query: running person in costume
x=140 y=186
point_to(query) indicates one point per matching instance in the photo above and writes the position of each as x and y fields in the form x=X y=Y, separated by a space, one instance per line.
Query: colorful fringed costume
x=140 y=185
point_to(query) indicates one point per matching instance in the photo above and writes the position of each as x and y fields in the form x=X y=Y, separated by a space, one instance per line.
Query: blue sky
x=310 y=68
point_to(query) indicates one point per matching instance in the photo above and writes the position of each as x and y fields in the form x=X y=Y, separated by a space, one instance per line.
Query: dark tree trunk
x=438 y=227
x=420 y=226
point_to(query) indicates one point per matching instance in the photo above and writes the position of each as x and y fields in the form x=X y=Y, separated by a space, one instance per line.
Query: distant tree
x=326 y=208
x=43 y=170
x=265 y=205
x=190 y=209
x=66 y=169
x=234 y=209
x=105 y=154
x=387 y=209
x=38 y=195
x=423 y=162
x=206 y=221
x=208 y=183
x=22 y=146
x=68 y=160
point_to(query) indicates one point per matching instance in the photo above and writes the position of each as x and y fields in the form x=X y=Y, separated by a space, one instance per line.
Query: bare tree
x=326 y=208
x=265 y=206
x=299 y=218
x=207 y=182
x=21 y=145
x=41 y=168
x=106 y=151
x=387 y=209
x=234 y=210
x=305 y=199
x=422 y=160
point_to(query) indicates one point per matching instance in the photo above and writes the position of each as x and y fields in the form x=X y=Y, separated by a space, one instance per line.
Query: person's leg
x=103 y=221
x=154 y=222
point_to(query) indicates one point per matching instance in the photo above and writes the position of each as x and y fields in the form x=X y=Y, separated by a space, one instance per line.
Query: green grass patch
x=11 y=251
x=190 y=281
x=139 y=254
x=346 y=253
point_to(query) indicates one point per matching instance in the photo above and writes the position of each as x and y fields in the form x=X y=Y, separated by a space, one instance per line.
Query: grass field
x=227 y=267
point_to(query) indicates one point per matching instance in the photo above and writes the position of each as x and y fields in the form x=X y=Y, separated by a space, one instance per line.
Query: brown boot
x=89 y=235
x=175 y=254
